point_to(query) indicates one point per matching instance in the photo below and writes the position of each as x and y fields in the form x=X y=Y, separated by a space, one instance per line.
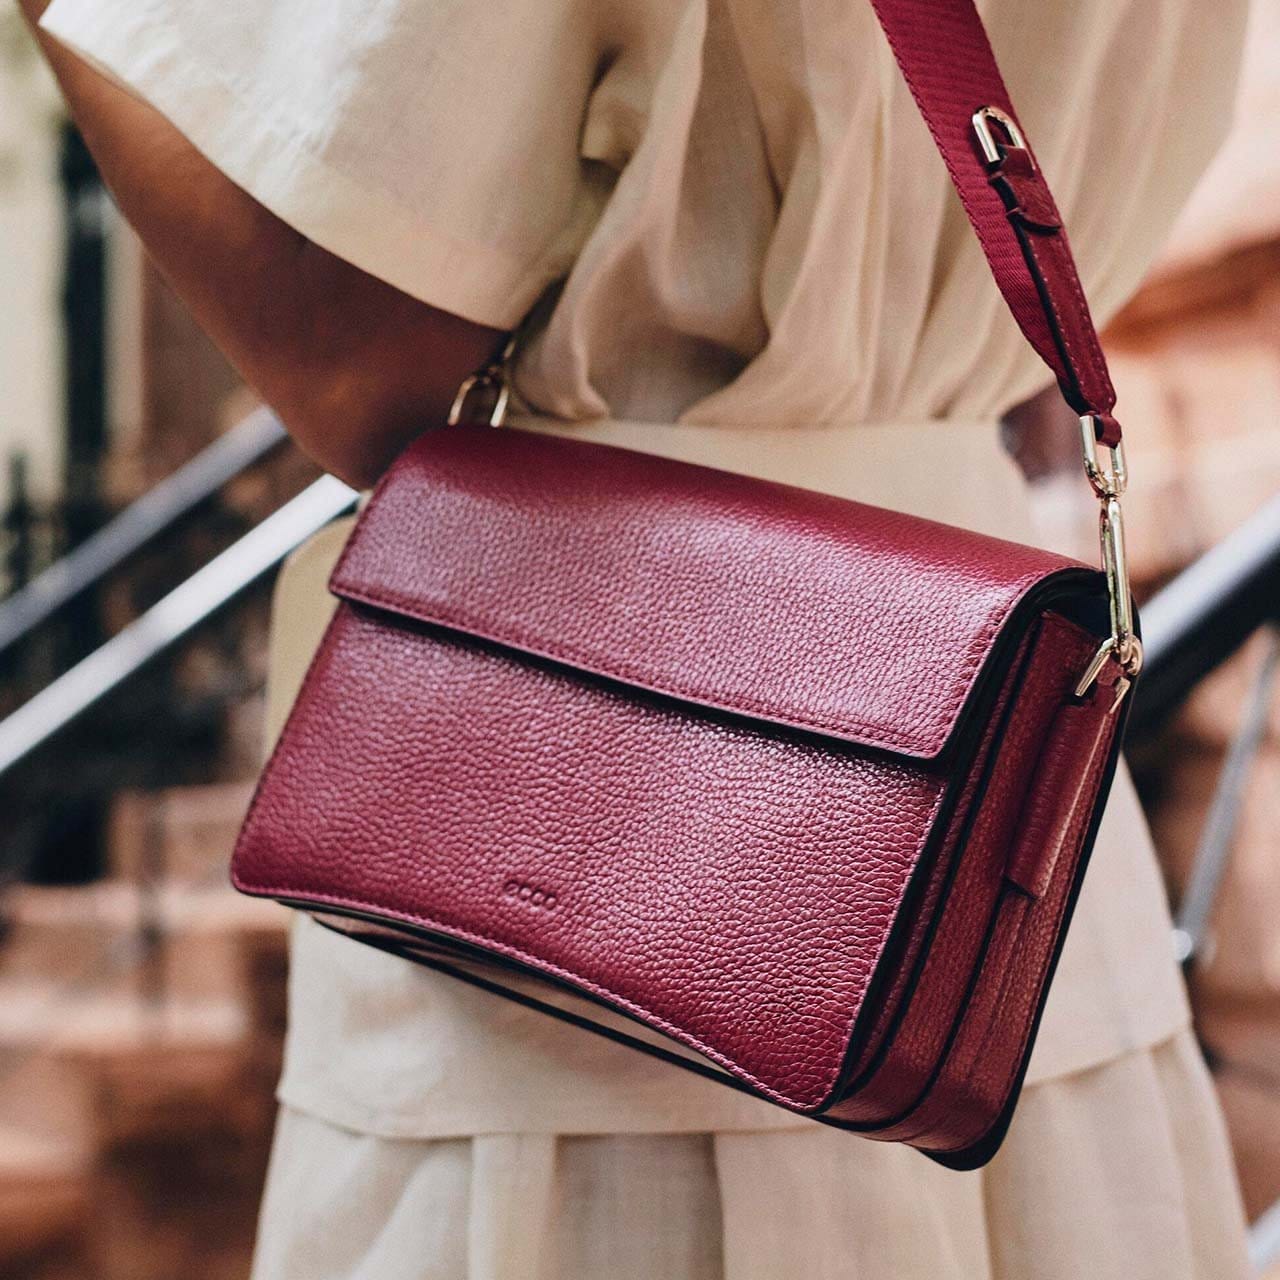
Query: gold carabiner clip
x=1109 y=480
x=492 y=378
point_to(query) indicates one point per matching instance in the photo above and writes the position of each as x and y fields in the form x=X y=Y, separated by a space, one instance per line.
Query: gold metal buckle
x=1109 y=480
x=982 y=120
x=1106 y=650
x=492 y=380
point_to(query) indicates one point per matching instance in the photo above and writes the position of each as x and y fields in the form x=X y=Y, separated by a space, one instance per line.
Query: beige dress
x=747 y=253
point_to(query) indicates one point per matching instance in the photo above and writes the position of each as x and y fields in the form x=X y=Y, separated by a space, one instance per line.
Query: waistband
x=956 y=472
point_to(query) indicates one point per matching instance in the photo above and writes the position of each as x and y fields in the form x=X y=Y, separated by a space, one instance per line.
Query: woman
x=730 y=225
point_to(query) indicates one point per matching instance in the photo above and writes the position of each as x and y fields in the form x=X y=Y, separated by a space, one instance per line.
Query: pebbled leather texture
x=760 y=599
x=743 y=762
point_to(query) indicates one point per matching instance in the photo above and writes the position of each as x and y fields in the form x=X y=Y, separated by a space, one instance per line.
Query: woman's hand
x=354 y=367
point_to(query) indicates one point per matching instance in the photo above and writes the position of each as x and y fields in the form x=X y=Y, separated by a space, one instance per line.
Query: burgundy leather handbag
x=800 y=788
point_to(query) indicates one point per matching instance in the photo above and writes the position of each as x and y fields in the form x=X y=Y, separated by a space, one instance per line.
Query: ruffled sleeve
x=436 y=144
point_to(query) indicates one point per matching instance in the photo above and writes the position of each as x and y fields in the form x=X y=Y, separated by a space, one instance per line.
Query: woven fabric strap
x=946 y=58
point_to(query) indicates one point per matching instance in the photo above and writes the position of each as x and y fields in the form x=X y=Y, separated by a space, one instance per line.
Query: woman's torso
x=773 y=272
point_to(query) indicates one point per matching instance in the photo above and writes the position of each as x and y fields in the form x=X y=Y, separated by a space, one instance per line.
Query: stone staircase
x=140 y=1029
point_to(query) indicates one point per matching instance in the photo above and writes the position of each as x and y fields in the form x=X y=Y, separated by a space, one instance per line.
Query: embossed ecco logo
x=530 y=893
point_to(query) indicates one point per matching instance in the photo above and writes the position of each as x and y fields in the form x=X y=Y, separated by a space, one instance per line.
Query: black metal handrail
x=1189 y=629
x=158 y=629
x=139 y=524
x=1205 y=614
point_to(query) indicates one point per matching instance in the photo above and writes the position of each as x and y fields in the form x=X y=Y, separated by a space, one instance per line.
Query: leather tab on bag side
x=1080 y=731
x=1025 y=195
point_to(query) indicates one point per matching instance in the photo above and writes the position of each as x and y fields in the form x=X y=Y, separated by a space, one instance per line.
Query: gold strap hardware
x=491 y=380
x=1109 y=477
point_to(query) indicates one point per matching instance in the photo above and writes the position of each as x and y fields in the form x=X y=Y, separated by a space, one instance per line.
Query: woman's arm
x=353 y=366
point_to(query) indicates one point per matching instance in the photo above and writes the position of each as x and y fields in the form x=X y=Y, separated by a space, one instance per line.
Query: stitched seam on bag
x=874 y=734
x=1093 y=346
x=1063 y=263
x=647 y=1016
x=1051 y=307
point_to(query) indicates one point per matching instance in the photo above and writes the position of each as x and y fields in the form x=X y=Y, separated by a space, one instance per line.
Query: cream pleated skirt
x=1118 y=1173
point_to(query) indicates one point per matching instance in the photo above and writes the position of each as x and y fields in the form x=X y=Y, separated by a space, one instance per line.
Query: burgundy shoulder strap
x=946 y=58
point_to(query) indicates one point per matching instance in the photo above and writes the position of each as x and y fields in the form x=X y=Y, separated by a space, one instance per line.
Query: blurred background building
x=141 y=1000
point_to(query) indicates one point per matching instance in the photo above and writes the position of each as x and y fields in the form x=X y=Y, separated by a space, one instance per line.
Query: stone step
x=142 y=1067
x=47 y=1098
x=169 y=1164
x=1245 y=1037
x=108 y=1037
x=1242 y=962
x=178 y=833
x=187 y=941
x=94 y=1022
x=167 y=1104
x=45 y=1198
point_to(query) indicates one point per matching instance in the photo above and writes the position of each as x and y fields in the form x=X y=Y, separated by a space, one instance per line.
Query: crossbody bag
x=793 y=792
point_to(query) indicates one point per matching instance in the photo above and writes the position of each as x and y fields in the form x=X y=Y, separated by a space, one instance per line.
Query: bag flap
x=753 y=598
